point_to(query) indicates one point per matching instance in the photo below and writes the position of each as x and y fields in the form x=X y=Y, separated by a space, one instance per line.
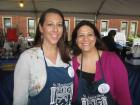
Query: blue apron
x=58 y=89
x=88 y=94
x=94 y=92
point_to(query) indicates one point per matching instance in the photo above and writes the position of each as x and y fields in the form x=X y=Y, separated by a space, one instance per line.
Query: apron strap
x=81 y=67
x=44 y=57
x=100 y=64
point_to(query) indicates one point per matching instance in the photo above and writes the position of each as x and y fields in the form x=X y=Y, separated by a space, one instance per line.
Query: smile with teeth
x=85 y=44
x=54 y=35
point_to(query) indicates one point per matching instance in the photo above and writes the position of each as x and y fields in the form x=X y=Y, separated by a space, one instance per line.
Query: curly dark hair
x=99 y=44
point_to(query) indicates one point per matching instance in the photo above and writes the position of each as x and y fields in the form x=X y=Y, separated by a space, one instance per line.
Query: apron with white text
x=58 y=89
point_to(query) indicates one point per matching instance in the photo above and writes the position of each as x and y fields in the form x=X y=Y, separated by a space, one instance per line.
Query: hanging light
x=21 y=4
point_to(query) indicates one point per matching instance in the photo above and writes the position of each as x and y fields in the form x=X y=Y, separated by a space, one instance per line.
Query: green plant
x=131 y=37
x=32 y=35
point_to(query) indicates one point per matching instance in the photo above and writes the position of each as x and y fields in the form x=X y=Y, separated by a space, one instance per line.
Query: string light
x=21 y=4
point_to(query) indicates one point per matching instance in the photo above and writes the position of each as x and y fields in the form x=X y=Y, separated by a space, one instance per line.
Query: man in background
x=110 y=43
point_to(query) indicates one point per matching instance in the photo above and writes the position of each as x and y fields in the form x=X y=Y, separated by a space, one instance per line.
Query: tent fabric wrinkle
x=75 y=7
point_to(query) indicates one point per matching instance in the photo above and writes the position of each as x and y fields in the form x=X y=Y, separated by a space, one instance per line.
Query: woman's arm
x=21 y=80
x=121 y=86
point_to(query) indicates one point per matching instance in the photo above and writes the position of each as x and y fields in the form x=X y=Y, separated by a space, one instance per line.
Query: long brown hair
x=63 y=41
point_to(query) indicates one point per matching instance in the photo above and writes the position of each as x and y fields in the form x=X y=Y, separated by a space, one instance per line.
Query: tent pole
x=98 y=11
x=35 y=10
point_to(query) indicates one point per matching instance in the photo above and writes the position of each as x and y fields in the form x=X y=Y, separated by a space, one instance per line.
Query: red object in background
x=12 y=35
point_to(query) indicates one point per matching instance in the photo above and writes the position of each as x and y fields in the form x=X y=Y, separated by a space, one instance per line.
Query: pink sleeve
x=121 y=86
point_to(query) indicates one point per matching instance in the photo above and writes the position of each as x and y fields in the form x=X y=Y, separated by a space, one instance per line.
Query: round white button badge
x=71 y=72
x=103 y=88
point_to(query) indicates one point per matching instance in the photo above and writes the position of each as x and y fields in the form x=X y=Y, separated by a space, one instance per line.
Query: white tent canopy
x=89 y=8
